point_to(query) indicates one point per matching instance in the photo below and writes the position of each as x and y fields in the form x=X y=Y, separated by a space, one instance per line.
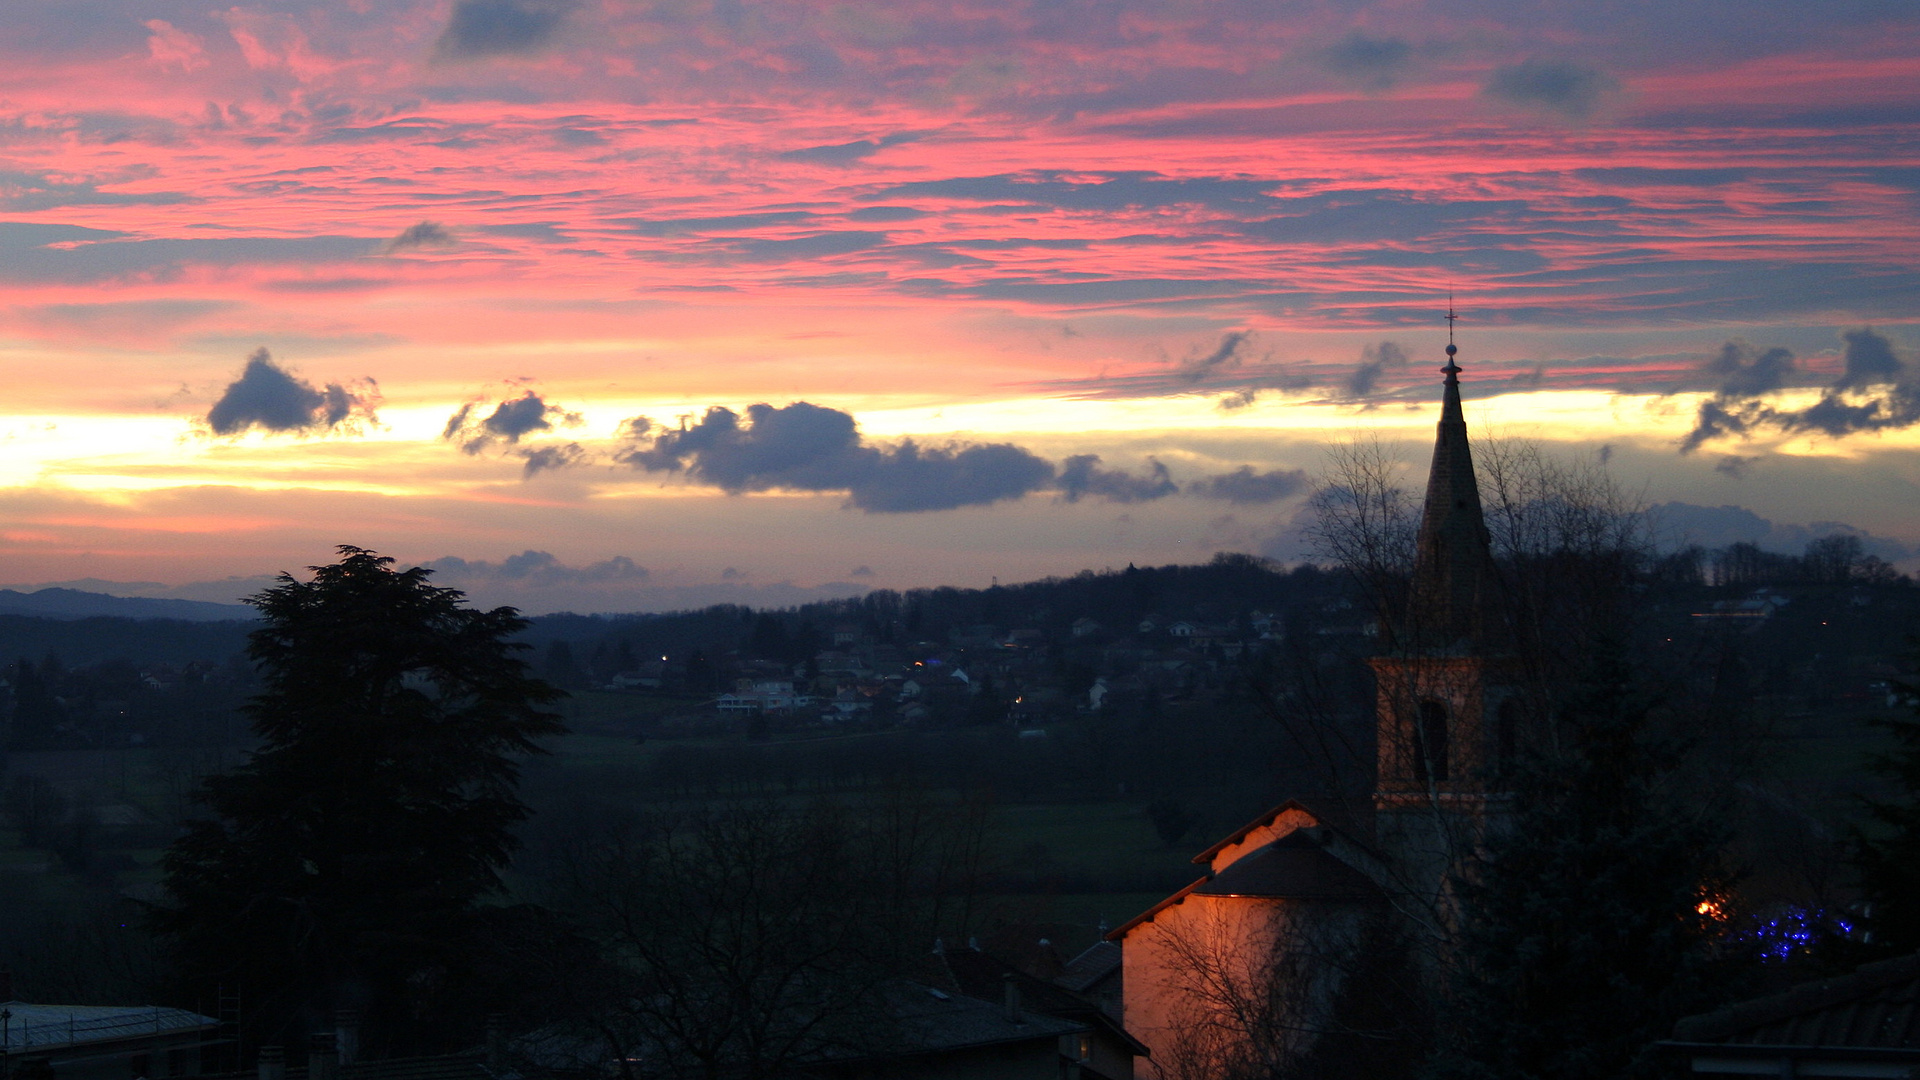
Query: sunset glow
x=1203 y=237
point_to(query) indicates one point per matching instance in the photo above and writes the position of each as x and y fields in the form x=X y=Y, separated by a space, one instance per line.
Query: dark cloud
x=509 y=422
x=427 y=234
x=1559 y=86
x=1081 y=475
x=1735 y=465
x=1374 y=63
x=269 y=397
x=1374 y=360
x=804 y=447
x=539 y=568
x=862 y=571
x=542 y=458
x=1870 y=361
x=1875 y=392
x=1747 y=372
x=501 y=27
x=1245 y=486
x=1225 y=357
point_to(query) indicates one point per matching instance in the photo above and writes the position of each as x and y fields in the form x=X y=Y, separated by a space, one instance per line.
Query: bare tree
x=1296 y=991
x=751 y=937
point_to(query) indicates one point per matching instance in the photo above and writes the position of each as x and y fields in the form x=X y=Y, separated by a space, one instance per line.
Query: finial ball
x=1451 y=350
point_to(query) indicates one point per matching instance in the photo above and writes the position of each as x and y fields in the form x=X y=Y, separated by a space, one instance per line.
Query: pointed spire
x=1453 y=563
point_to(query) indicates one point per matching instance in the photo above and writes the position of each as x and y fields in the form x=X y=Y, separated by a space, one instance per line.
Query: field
x=1065 y=862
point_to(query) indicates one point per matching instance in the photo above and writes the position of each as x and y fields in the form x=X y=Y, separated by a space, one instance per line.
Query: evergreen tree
x=1889 y=856
x=1591 y=924
x=344 y=863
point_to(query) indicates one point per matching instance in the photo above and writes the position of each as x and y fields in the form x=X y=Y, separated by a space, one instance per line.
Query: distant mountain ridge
x=73 y=604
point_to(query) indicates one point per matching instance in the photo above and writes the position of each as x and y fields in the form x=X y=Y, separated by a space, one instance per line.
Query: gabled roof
x=1305 y=876
x=1294 y=867
x=1874 y=1008
x=1146 y=916
x=984 y=975
x=1266 y=819
x=1099 y=960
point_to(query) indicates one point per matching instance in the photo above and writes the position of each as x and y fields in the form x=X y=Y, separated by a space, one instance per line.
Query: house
x=1252 y=963
x=763 y=697
x=1861 y=1024
x=1095 y=974
x=939 y=1034
x=101 y=1042
x=1100 y=1050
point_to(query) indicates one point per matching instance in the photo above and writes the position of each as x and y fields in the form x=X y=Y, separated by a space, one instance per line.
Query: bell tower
x=1447 y=718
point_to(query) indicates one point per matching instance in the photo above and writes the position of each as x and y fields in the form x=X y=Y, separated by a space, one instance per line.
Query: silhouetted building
x=101 y=1042
x=1862 y=1024
x=1249 y=965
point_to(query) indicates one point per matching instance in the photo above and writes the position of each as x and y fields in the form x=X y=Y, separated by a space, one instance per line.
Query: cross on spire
x=1452 y=368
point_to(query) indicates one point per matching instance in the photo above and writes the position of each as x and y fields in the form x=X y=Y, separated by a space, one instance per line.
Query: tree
x=1593 y=920
x=1889 y=855
x=344 y=863
x=747 y=939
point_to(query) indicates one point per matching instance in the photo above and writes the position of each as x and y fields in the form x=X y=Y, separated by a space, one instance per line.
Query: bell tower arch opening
x=1430 y=756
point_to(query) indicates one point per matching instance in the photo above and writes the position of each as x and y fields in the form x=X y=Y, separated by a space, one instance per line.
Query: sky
x=600 y=305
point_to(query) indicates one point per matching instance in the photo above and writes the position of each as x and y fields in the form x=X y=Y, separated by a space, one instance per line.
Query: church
x=1248 y=968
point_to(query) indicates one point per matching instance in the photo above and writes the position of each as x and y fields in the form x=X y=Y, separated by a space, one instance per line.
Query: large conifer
x=343 y=862
x=1592 y=922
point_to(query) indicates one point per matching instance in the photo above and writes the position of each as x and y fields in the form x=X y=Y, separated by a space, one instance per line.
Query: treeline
x=1830 y=560
x=1222 y=591
x=116 y=703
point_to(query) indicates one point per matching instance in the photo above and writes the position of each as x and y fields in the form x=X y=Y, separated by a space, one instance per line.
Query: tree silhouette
x=1888 y=852
x=343 y=863
x=1594 y=920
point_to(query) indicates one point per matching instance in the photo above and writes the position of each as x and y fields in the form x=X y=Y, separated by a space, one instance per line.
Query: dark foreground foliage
x=1596 y=918
x=342 y=865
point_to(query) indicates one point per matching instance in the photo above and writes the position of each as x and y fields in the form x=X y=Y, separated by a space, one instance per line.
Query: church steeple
x=1453 y=563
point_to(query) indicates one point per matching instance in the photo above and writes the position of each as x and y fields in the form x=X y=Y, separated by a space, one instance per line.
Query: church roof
x=1453 y=562
x=1294 y=867
x=1297 y=866
x=1265 y=819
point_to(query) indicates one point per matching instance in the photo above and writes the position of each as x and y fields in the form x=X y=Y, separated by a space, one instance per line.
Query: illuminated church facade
x=1247 y=965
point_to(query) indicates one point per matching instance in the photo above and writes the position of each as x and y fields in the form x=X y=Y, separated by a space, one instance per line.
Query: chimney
x=273 y=1063
x=496 y=1044
x=323 y=1057
x=346 y=1034
x=1014 y=1016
